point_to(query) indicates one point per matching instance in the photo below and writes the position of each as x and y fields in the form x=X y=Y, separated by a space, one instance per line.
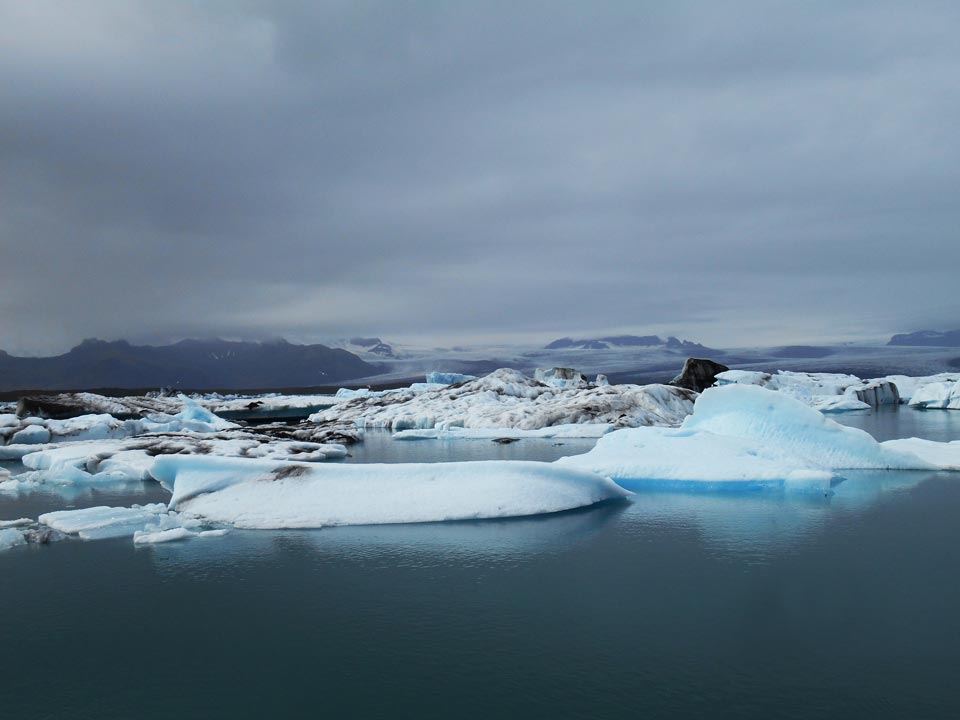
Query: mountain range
x=188 y=364
x=624 y=341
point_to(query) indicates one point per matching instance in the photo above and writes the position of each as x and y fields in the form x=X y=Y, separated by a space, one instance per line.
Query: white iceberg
x=937 y=395
x=31 y=435
x=266 y=494
x=908 y=386
x=742 y=436
x=10 y=538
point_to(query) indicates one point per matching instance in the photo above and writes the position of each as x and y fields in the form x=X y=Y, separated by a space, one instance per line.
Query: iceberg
x=264 y=494
x=744 y=436
x=31 y=435
x=10 y=538
x=101 y=522
x=937 y=395
x=508 y=399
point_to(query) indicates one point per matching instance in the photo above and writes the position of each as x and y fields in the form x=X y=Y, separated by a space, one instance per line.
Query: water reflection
x=764 y=524
x=463 y=543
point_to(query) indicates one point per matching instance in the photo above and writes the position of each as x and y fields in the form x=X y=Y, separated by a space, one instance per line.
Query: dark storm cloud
x=768 y=171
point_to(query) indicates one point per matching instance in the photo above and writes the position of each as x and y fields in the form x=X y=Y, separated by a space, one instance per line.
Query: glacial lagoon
x=758 y=605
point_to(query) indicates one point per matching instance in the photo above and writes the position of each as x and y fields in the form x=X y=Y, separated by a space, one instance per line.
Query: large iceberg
x=746 y=436
x=508 y=399
x=268 y=494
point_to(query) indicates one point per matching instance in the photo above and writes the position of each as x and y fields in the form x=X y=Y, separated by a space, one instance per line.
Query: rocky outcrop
x=698 y=374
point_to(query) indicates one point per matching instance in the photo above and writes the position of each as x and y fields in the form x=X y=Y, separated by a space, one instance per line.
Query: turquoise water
x=761 y=605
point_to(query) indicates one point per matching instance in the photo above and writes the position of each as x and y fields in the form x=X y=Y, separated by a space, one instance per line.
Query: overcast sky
x=449 y=171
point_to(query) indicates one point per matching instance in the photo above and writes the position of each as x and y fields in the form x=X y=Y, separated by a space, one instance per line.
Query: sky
x=733 y=173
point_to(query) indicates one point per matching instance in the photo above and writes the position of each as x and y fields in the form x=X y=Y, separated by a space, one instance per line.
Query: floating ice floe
x=583 y=430
x=147 y=524
x=508 y=399
x=130 y=459
x=264 y=494
x=11 y=537
x=741 y=436
x=39 y=431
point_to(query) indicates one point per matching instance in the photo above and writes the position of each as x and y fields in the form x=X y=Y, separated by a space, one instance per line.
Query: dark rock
x=698 y=374
x=505 y=440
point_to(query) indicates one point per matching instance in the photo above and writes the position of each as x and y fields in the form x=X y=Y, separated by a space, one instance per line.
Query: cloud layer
x=756 y=172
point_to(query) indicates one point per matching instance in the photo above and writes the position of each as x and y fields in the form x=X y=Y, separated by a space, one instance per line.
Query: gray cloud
x=751 y=172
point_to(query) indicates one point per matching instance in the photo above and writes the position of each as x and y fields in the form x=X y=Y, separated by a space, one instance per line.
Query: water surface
x=759 y=605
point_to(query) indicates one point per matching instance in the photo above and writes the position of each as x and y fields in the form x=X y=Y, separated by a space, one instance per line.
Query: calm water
x=761 y=605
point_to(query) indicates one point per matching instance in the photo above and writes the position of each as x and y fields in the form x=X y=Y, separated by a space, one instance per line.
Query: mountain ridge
x=191 y=363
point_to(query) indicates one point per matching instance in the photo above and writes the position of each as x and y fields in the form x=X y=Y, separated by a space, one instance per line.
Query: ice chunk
x=89 y=427
x=747 y=436
x=837 y=403
x=937 y=395
x=19 y=522
x=104 y=522
x=584 y=430
x=561 y=377
x=153 y=537
x=943 y=455
x=268 y=494
x=31 y=435
x=193 y=418
x=10 y=538
x=908 y=386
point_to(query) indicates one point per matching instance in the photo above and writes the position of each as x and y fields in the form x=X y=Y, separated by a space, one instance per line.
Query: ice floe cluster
x=837 y=392
x=755 y=430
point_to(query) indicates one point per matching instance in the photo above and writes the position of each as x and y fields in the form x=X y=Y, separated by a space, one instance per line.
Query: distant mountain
x=190 y=364
x=621 y=341
x=930 y=338
x=373 y=345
